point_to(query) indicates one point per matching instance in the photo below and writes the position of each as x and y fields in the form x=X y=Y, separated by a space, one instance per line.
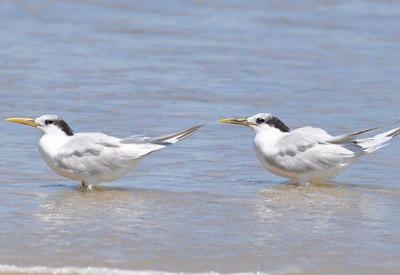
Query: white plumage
x=93 y=157
x=307 y=154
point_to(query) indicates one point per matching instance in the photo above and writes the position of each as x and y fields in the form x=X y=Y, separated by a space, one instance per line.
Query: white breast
x=270 y=167
x=49 y=146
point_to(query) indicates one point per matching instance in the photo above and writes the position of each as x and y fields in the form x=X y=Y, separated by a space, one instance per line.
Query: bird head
x=48 y=124
x=259 y=123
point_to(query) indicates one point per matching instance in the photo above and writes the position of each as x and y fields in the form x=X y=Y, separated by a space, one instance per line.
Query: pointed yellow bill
x=239 y=121
x=23 y=120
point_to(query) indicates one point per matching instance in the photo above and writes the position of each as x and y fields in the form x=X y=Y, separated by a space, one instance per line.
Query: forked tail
x=374 y=143
x=174 y=138
x=163 y=140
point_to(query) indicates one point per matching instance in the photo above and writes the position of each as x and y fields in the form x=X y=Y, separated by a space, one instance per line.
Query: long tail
x=174 y=138
x=163 y=140
x=374 y=143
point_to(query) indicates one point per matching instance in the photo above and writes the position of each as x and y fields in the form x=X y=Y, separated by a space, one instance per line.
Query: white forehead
x=47 y=117
x=260 y=115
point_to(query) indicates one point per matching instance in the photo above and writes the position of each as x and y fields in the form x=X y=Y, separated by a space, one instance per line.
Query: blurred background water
x=205 y=204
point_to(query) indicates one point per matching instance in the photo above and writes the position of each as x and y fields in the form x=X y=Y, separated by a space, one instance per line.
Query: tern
x=308 y=154
x=93 y=157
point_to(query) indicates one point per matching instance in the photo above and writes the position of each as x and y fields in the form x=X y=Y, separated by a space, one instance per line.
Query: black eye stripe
x=260 y=120
x=60 y=123
x=278 y=124
x=273 y=122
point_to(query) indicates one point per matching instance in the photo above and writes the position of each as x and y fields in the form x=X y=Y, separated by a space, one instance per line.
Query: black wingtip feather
x=165 y=140
x=395 y=133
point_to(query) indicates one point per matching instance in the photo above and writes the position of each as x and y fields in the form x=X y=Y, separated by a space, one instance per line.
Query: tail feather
x=174 y=138
x=163 y=140
x=342 y=139
x=374 y=143
x=395 y=133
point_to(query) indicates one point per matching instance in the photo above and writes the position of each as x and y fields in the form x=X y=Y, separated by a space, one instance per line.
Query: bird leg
x=294 y=182
x=86 y=186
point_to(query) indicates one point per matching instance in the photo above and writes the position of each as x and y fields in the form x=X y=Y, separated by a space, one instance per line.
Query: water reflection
x=103 y=202
x=318 y=207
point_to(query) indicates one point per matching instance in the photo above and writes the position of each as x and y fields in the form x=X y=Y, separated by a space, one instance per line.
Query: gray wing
x=95 y=153
x=346 y=138
x=163 y=140
x=306 y=149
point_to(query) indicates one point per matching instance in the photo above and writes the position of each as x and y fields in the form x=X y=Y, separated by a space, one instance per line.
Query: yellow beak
x=22 y=120
x=238 y=121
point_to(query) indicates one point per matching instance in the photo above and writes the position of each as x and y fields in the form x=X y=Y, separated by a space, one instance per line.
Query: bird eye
x=260 y=120
x=48 y=121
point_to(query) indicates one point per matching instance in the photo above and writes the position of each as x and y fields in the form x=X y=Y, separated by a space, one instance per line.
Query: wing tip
x=174 y=138
x=188 y=132
x=395 y=133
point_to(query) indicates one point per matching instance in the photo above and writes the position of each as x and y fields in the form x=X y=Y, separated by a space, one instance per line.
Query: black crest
x=278 y=124
x=64 y=127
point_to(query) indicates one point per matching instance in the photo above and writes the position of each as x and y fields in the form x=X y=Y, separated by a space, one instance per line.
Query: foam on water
x=44 y=270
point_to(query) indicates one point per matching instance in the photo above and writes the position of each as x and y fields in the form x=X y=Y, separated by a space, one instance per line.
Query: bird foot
x=294 y=182
x=86 y=187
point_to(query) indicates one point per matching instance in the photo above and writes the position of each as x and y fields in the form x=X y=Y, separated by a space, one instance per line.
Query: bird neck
x=270 y=132
x=267 y=137
x=51 y=142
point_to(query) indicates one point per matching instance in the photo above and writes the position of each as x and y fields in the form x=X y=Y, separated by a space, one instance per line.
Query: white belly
x=60 y=171
x=306 y=177
x=84 y=176
x=115 y=173
x=273 y=169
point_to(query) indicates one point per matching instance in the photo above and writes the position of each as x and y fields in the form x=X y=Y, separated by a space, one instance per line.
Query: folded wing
x=96 y=153
x=163 y=140
x=306 y=149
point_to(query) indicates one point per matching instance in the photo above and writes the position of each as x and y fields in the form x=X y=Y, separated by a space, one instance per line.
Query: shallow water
x=205 y=204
